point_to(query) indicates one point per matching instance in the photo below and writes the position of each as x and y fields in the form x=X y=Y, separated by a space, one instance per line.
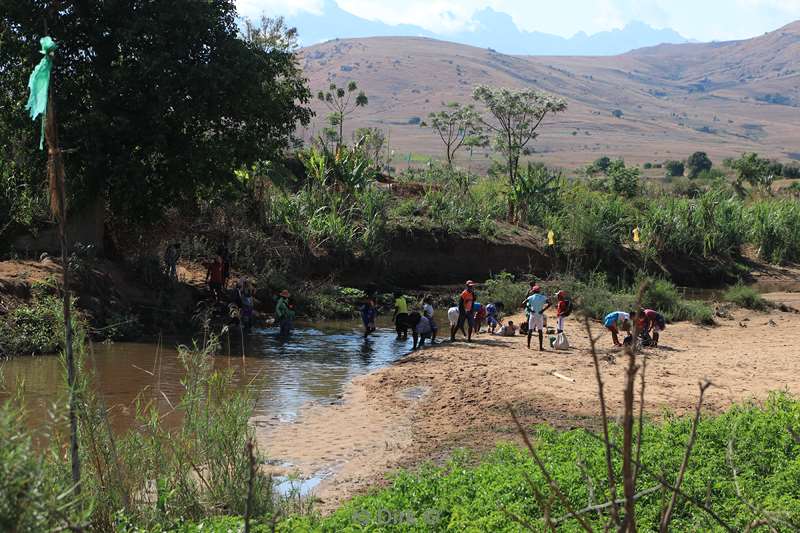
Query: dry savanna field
x=723 y=98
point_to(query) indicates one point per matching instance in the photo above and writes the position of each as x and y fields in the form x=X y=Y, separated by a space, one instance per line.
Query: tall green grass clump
x=710 y=225
x=593 y=226
x=462 y=496
x=746 y=297
x=32 y=498
x=775 y=229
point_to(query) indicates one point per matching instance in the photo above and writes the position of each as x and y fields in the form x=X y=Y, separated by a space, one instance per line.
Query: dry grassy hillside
x=723 y=98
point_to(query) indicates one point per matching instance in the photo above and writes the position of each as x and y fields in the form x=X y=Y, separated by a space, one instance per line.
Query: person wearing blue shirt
x=535 y=306
x=615 y=320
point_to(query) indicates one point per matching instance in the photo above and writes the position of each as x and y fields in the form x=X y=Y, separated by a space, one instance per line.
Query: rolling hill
x=723 y=98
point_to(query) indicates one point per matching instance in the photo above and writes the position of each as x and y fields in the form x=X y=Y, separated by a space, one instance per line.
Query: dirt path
x=456 y=395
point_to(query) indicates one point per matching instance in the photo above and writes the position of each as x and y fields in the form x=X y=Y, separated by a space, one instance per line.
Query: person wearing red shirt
x=653 y=323
x=465 y=301
x=215 y=277
x=562 y=310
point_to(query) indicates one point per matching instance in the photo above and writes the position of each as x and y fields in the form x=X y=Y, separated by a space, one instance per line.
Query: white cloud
x=695 y=19
x=254 y=8
x=440 y=16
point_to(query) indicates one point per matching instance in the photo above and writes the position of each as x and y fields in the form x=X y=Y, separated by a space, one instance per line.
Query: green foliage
x=745 y=296
x=516 y=117
x=623 y=180
x=674 y=168
x=698 y=162
x=342 y=103
x=593 y=225
x=371 y=141
x=504 y=288
x=23 y=203
x=754 y=170
x=31 y=498
x=162 y=103
x=602 y=164
x=663 y=296
x=329 y=301
x=775 y=229
x=711 y=225
x=455 y=124
x=464 y=496
x=537 y=193
x=791 y=171
x=595 y=298
x=35 y=327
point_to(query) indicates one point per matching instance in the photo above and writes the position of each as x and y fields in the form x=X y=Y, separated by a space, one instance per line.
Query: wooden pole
x=58 y=206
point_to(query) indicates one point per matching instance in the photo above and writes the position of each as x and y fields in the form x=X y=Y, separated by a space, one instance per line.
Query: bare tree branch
x=612 y=484
x=606 y=505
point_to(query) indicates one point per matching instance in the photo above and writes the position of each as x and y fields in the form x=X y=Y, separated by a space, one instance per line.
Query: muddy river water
x=314 y=365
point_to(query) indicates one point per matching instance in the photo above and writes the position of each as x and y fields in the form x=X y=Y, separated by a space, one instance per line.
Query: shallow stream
x=314 y=364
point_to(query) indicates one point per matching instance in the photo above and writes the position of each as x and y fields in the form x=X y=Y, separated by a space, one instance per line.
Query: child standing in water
x=400 y=316
x=427 y=312
x=284 y=314
x=368 y=314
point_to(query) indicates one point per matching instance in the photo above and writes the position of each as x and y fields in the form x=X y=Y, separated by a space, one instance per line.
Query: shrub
x=504 y=288
x=31 y=498
x=662 y=296
x=471 y=495
x=698 y=162
x=746 y=297
x=624 y=180
x=791 y=171
x=536 y=193
x=674 y=168
x=32 y=328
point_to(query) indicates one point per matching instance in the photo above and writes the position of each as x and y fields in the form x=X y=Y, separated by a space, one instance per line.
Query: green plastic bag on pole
x=39 y=84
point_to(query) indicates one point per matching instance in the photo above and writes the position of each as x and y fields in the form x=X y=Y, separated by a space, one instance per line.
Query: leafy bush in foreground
x=462 y=497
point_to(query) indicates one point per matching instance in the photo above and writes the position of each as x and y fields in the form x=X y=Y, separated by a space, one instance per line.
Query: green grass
x=746 y=297
x=463 y=496
x=775 y=229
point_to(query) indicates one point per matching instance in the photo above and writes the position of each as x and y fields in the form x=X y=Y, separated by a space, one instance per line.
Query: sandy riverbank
x=456 y=395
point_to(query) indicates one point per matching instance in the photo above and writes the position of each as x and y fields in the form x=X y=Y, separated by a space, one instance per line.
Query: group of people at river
x=467 y=317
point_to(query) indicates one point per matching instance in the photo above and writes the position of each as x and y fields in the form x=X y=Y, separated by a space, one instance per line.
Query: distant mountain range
x=647 y=105
x=492 y=29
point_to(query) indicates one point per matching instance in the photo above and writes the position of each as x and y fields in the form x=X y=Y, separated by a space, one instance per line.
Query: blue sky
x=703 y=20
